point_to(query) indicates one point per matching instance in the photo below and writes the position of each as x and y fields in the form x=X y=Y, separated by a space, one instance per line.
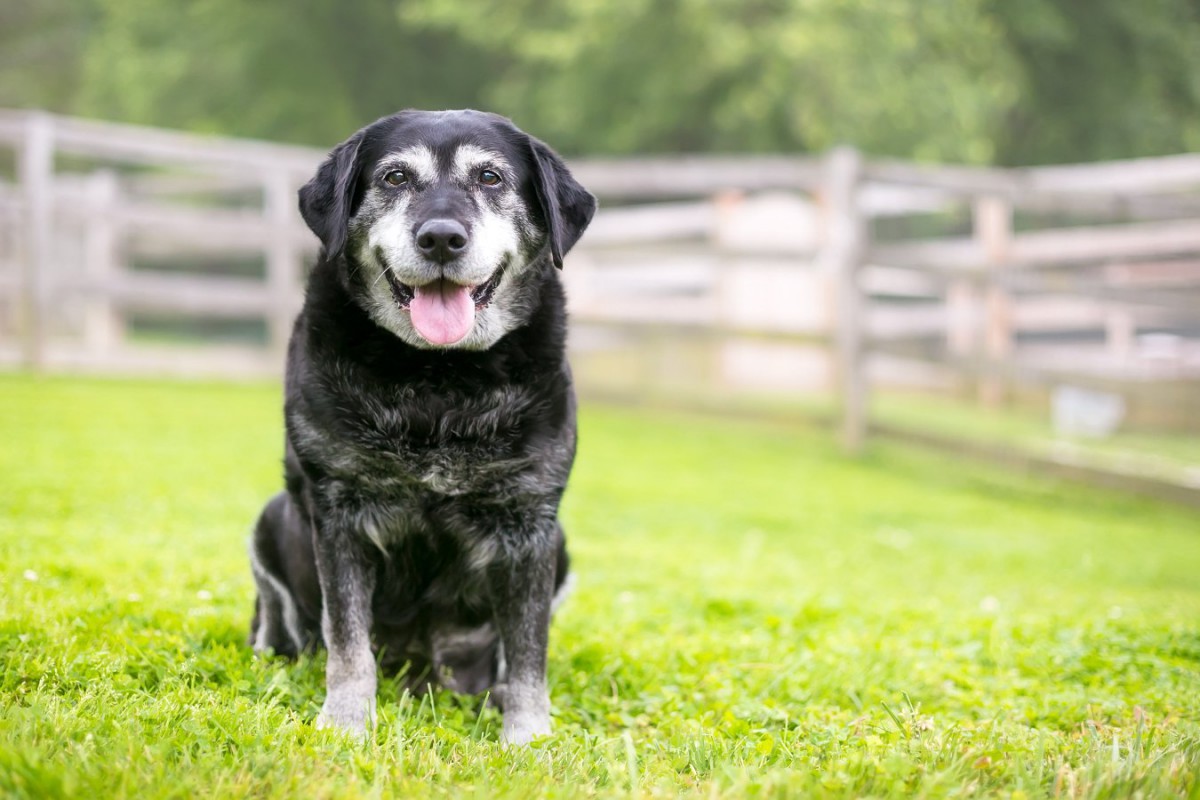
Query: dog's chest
x=427 y=447
x=429 y=473
x=454 y=466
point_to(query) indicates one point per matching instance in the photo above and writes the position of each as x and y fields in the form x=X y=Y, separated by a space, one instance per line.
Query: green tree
x=979 y=81
x=1101 y=79
x=924 y=78
x=40 y=46
x=305 y=71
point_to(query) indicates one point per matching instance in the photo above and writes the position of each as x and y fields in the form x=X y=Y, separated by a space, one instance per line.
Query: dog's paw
x=350 y=714
x=522 y=728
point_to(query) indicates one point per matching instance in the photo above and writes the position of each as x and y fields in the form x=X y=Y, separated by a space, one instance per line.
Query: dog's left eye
x=489 y=177
x=395 y=177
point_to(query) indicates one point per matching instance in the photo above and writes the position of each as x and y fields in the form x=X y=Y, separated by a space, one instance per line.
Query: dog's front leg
x=347 y=585
x=521 y=588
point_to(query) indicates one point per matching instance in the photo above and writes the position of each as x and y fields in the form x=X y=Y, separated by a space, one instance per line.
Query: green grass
x=1171 y=457
x=756 y=616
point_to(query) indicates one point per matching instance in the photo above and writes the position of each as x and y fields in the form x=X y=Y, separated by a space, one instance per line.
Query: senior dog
x=430 y=419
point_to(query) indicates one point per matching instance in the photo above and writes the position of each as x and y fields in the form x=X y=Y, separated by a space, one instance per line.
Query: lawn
x=756 y=615
x=1170 y=457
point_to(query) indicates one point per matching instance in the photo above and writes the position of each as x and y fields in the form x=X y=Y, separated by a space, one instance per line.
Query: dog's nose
x=441 y=239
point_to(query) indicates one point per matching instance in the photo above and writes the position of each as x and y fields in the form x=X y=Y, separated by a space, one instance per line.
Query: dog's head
x=442 y=221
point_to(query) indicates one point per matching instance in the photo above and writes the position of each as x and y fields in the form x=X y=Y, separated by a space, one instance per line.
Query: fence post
x=279 y=204
x=36 y=173
x=1120 y=331
x=103 y=327
x=993 y=229
x=725 y=207
x=845 y=235
x=962 y=325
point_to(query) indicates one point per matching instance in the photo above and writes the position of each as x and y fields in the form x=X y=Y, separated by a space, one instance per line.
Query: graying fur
x=420 y=521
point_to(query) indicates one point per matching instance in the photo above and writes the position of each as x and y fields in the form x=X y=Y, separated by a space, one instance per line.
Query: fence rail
x=759 y=273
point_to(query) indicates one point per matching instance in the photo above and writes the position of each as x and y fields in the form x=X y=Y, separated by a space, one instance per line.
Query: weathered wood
x=1154 y=273
x=36 y=172
x=1033 y=314
x=283 y=275
x=1140 y=176
x=692 y=327
x=662 y=222
x=689 y=176
x=1130 y=205
x=205 y=229
x=137 y=144
x=965 y=181
x=1172 y=288
x=948 y=254
x=1053 y=247
x=841 y=257
x=904 y=283
x=103 y=326
x=878 y=200
x=1048 y=313
x=993 y=228
x=1183 y=304
x=1106 y=243
x=12 y=126
x=1120 y=330
x=184 y=294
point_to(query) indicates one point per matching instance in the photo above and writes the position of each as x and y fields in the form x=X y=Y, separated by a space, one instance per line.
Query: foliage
x=40 y=46
x=302 y=71
x=1011 y=81
x=1101 y=79
x=756 y=616
x=734 y=75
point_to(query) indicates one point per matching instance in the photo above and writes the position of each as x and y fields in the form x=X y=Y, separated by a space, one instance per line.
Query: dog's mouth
x=480 y=293
x=443 y=311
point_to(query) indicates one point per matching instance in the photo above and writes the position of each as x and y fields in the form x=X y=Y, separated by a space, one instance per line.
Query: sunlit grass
x=756 y=616
x=1173 y=457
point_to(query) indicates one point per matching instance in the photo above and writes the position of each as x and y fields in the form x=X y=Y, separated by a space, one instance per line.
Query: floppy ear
x=326 y=199
x=566 y=206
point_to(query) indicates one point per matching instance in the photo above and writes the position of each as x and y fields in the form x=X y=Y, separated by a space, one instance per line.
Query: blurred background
x=969 y=223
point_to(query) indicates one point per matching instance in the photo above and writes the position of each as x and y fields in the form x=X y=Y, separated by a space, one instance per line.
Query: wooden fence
x=1112 y=248
x=92 y=199
x=754 y=274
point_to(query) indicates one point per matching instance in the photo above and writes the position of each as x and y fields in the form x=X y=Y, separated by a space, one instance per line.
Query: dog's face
x=443 y=221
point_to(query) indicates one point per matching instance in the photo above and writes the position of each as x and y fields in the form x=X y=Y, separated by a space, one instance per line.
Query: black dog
x=430 y=418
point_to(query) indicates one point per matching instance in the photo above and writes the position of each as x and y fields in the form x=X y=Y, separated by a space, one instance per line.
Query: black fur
x=325 y=201
x=422 y=485
x=566 y=206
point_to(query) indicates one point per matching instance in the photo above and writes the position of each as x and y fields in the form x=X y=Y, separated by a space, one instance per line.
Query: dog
x=430 y=419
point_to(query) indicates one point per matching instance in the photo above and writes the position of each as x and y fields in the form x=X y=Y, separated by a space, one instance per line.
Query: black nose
x=441 y=239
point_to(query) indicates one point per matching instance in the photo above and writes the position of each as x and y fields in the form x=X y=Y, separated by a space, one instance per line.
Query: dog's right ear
x=566 y=206
x=326 y=200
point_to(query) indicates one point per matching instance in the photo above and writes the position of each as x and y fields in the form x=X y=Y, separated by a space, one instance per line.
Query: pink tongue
x=443 y=312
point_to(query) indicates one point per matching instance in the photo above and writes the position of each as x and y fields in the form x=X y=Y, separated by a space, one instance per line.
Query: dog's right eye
x=395 y=177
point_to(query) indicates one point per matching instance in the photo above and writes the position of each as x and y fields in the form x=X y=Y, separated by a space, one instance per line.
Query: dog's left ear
x=566 y=206
x=326 y=200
